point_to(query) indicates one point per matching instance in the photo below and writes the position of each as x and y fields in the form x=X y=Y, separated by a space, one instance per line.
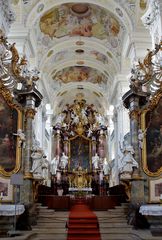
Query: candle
x=1 y=194
x=161 y=196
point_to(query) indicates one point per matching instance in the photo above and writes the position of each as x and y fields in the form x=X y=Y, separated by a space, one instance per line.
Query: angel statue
x=141 y=135
x=22 y=138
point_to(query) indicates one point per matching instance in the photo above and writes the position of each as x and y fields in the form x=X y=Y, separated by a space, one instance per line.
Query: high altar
x=80 y=144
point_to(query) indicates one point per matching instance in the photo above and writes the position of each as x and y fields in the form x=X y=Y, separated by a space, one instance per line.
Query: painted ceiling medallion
x=79 y=43
x=80 y=10
x=79 y=51
x=80 y=62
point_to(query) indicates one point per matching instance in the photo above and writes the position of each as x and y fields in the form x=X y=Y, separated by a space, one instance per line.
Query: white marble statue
x=127 y=161
x=54 y=165
x=95 y=161
x=22 y=138
x=60 y=118
x=63 y=161
x=141 y=135
x=45 y=165
x=37 y=161
x=106 y=167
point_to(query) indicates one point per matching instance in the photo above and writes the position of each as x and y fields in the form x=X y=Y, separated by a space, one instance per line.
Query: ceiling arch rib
x=58 y=52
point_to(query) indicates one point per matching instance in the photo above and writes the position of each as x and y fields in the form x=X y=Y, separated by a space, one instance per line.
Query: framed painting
x=10 y=122
x=151 y=123
x=6 y=190
x=80 y=153
x=155 y=187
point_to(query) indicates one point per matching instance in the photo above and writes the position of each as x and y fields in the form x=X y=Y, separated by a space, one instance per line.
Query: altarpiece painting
x=152 y=126
x=80 y=153
x=155 y=187
x=10 y=121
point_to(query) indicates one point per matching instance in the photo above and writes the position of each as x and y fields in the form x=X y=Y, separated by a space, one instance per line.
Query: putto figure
x=22 y=138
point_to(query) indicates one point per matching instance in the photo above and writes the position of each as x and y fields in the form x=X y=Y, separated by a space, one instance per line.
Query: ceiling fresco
x=78 y=19
x=76 y=38
x=80 y=74
x=66 y=54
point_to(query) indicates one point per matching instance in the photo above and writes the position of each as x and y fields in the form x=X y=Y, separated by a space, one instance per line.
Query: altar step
x=6 y=224
x=113 y=226
x=51 y=224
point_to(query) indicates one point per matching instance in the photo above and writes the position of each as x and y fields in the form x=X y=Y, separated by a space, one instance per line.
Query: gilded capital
x=30 y=113
x=134 y=115
x=28 y=175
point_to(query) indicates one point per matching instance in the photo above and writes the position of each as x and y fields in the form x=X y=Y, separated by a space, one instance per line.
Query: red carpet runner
x=83 y=224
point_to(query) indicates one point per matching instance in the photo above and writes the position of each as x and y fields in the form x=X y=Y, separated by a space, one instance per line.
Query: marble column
x=101 y=147
x=94 y=146
x=134 y=127
x=134 y=102
x=26 y=191
x=66 y=146
x=30 y=100
x=58 y=145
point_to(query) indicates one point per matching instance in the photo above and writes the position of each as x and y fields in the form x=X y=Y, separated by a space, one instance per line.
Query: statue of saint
x=37 y=161
x=127 y=161
x=54 y=165
x=106 y=167
x=45 y=165
x=63 y=161
x=95 y=161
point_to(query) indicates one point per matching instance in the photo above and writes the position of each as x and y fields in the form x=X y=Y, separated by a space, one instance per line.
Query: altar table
x=73 y=189
x=9 y=209
x=151 y=209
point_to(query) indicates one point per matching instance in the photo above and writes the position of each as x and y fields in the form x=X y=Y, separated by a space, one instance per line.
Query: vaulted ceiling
x=80 y=45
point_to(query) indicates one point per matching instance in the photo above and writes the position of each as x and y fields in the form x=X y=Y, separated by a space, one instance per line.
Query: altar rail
x=94 y=202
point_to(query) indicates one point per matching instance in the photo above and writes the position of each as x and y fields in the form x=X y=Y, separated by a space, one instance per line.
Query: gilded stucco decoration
x=147 y=74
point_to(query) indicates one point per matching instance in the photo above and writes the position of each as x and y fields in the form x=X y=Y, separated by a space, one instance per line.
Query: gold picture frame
x=155 y=190
x=10 y=122
x=73 y=145
x=151 y=124
x=6 y=190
